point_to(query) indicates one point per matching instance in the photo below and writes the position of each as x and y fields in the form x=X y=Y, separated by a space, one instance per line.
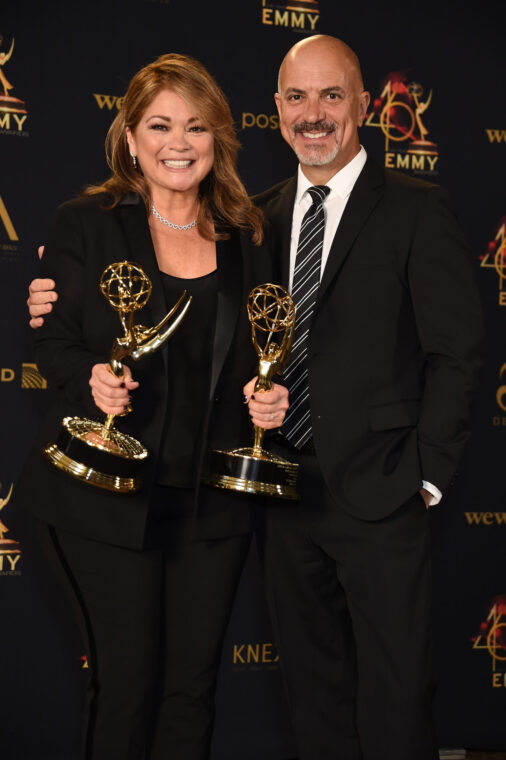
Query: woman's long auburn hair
x=223 y=196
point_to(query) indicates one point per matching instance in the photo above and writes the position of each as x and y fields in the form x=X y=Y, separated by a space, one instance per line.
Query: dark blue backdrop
x=69 y=65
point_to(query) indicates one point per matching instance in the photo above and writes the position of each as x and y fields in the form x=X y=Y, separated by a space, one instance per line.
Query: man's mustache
x=315 y=126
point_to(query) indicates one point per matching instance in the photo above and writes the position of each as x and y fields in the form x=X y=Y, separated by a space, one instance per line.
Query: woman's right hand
x=110 y=393
x=42 y=294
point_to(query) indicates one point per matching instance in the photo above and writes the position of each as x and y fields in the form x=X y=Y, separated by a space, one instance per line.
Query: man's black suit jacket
x=394 y=346
x=83 y=241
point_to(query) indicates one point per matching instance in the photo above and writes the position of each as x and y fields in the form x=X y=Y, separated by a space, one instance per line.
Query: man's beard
x=316 y=155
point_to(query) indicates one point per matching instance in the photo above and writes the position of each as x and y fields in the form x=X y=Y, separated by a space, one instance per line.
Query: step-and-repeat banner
x=434 y=72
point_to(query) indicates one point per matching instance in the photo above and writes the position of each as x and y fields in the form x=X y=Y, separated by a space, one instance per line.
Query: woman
x=154 y=574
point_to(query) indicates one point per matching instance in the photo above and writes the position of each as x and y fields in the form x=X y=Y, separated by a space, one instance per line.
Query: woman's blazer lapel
x=230 y=300
x=140 y=249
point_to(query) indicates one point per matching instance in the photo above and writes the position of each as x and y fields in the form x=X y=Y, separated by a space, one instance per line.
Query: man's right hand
x=42 y=294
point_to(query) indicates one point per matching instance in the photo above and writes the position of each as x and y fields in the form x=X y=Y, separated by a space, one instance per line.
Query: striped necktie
x=306 y=279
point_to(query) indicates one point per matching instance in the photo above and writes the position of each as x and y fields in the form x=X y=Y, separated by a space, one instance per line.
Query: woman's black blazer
x=84 y=239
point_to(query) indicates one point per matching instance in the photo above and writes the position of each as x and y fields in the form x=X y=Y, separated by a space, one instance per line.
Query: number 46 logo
x=495 y=258
x=500 y=395
x=492 y=638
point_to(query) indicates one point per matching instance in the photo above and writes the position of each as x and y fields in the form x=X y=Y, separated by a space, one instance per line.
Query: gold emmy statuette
x=421 y=146
x=271 y=311
x=9 y=104
x=96 y=452
x=7 y=545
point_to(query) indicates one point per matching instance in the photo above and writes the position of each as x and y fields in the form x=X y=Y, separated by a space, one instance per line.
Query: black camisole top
x=189 y=360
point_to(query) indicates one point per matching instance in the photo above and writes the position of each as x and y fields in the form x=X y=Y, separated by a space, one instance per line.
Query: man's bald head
x=321 y=103
x=323 y=46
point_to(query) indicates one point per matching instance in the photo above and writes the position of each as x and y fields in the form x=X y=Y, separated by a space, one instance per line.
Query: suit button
x=216 y=399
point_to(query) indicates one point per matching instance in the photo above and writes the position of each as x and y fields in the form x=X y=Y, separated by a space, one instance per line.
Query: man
x=384 y=363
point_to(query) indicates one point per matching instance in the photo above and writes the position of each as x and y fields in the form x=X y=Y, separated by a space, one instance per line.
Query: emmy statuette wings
x=96 y=452
x=271 y=313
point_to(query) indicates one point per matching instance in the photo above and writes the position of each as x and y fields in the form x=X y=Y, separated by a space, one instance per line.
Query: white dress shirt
x=341 y=185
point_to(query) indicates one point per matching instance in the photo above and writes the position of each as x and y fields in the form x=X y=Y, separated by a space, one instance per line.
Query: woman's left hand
x=267 y=408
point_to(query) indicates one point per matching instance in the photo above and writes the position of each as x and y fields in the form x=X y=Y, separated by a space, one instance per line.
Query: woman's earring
x=134 y=159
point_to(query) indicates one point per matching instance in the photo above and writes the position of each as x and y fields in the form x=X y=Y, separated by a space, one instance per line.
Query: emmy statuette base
x=81 y=451
x=249 y=471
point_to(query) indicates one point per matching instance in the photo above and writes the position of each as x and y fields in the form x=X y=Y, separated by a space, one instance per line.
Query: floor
x=483 y=755
x=478 y=755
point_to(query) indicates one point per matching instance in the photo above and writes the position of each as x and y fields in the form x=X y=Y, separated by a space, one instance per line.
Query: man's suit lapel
x=280 y=216
x=229 y=302
x=365 y=195
x=132 y=214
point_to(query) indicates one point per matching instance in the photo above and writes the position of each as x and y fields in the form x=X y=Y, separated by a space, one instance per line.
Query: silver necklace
x=170 y=224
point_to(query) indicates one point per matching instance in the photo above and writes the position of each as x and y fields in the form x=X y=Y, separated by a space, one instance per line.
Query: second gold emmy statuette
x=96 y=452
x=271 y=312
